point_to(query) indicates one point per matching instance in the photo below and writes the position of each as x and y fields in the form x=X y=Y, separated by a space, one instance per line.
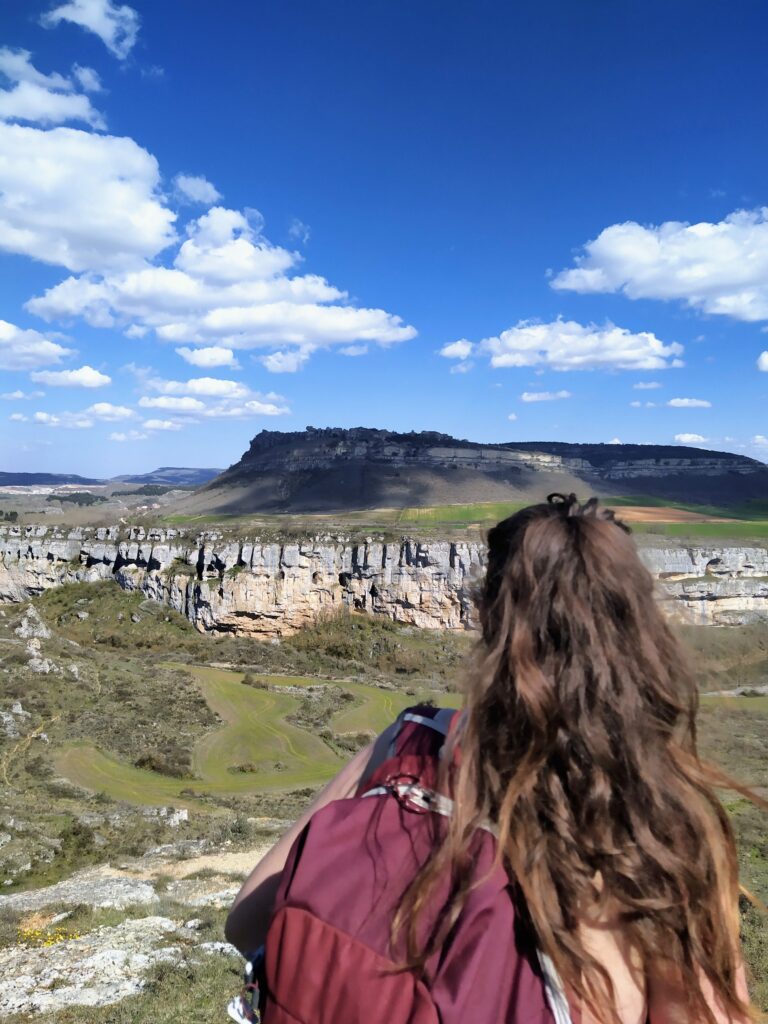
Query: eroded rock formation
x=268 y=589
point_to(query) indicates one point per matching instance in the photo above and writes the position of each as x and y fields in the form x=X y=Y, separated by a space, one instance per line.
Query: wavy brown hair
x=579 y=744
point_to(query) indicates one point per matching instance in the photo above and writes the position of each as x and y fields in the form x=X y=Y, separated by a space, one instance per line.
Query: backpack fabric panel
x=328 y=953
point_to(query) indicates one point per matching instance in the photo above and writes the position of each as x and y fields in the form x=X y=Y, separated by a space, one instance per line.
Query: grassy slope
x=255 y=732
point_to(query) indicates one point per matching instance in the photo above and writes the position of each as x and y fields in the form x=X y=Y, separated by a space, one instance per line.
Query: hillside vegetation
x=124 y=709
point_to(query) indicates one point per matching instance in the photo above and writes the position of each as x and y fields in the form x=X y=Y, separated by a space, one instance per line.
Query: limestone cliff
x=267 y=589
x=336 y=469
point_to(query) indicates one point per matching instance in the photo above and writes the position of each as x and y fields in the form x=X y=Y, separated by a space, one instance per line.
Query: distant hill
x=44 y=479
x=334 y=469
x=171 y=475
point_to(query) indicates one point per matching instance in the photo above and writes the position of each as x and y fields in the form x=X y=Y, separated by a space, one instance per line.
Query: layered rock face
x=334 y=469
x=271 y=589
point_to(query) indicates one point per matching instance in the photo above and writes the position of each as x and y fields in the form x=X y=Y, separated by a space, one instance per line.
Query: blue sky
x=491 y=219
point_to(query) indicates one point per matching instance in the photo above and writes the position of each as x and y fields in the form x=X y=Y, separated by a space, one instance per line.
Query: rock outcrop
x=334 y=469
x=268 y=589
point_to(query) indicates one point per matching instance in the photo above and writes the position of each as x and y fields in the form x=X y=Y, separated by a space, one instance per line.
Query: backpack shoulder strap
x=440 y=720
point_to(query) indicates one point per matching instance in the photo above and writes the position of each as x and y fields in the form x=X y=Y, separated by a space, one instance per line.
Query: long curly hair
x=579 y=743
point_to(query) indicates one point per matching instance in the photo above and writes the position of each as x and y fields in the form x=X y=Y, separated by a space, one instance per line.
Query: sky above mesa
x=545 y=220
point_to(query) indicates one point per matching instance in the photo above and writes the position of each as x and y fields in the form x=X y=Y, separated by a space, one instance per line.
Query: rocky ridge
x=266 y=589
x=335 y=469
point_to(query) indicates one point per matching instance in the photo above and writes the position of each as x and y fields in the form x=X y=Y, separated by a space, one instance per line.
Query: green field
x=256 y=733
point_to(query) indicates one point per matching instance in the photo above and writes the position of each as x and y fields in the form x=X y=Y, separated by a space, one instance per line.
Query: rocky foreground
x=158 y=910
x=268 y=589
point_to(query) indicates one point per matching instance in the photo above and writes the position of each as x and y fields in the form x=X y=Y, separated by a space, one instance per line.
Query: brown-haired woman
x=578 y=743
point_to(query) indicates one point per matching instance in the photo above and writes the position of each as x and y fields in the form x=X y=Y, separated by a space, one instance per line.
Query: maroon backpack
x=328 y=957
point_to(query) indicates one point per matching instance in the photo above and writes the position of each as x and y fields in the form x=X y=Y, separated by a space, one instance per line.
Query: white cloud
x=48 y=99
x=229 y=288
x=463 y=367
x=615 y=440
x=196 y=188
x=18 y=417
x=457 y=349
x=161 y=425
x=17 y=66
x=544 y=396
x=68 y=420
x=512 y=416
x=206 y=386
x=689 y=403
x=117 y=25
x=299 y=231
x=354 y=350
x=713 y=267
x=173 y=404
x=647 y=385
x=87 y=78
x=253 y=407
x=760 y=440
x=642 y=405
x=208 y=357
x=27 y=349
x=79 y=200
x=689 y=438
x=130 y=435
x=225 y=246
x=762 y=362
x=107 y=411
x=286 y=362
x=135 y=331
x=568 y=345
x=83 y=377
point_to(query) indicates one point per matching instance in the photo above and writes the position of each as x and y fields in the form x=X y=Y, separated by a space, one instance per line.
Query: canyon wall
x=266 y=589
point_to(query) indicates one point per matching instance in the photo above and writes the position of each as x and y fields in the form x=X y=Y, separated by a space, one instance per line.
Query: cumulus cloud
x=47 y=99
x=457 y=349
x=568 y=345
x=196 y=188
x=229 y=288
x=169 y=402
x=80 y=201
x=161 y=425
x=208 y=356
x=463 y=367
x=285 y=362
x=646 y=385
x=27 y=349
x=762 y=362
x=712 y=267
x=354 y=350
x=13 y=396
x=689 y=403
x=207 y=386
x=512 y=416
x=86 y=78
x=690 y=438
x=544 y=396
x=107 y=411
x=130 y=435
x=117 y=25
x=642 y=405
x=83 y=377
x=18 y=417
x=760 y=441
x=68 y=420
x=253 y=407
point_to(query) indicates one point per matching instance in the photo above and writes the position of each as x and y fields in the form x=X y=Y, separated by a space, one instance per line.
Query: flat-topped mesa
x=335 y=469
x=320 y=448
x=269 y=589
